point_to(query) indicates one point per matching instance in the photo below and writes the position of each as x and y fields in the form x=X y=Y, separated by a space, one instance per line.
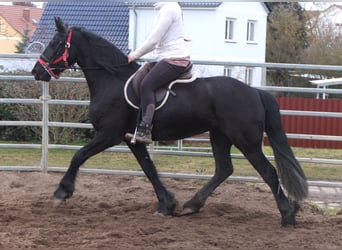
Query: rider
x=167 y=41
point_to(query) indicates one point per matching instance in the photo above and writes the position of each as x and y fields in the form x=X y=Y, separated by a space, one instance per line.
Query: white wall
x=205 y=27
x=13 y=64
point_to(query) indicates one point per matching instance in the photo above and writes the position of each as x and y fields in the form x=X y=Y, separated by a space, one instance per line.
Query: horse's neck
x=100 y=81
x=99 y=78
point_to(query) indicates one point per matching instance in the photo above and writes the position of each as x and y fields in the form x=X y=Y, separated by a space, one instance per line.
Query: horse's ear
x=61 y=27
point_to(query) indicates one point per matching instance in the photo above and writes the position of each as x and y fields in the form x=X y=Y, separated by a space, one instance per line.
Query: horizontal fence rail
x=45 y=101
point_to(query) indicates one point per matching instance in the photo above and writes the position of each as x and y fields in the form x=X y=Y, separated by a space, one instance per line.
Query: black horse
x=233 y=113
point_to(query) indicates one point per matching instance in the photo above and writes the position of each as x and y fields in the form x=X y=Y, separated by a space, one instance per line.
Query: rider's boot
x=144 y=133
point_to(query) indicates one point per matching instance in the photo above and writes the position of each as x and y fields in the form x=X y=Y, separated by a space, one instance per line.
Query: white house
x=219 y=31
x=327 y=21
x=332 y=16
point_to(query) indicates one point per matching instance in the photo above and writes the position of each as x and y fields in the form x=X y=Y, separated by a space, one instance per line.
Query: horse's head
x=57 y=55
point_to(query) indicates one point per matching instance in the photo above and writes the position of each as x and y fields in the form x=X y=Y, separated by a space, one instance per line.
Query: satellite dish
x=35 y=48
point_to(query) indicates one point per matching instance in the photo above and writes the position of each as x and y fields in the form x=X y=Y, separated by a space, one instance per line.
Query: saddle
x=132 y=86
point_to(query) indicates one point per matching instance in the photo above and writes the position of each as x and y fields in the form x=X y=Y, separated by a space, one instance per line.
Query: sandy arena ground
x=116 y=212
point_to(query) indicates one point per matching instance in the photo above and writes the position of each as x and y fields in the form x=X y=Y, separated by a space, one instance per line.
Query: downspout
x=135 y=30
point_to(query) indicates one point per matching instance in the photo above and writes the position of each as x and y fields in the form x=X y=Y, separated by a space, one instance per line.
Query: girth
x=132 y=86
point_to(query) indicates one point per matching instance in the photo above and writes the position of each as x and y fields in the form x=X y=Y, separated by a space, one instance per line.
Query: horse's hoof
x=187 y=211
x=288 y=221
x=57 y=202
x=290 y=217
x=157 y=213
x=62 y=193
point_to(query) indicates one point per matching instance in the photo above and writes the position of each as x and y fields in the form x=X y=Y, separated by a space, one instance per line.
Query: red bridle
x=64 y=57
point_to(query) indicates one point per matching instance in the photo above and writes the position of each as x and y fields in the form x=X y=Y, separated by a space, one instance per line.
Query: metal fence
x=45 y=124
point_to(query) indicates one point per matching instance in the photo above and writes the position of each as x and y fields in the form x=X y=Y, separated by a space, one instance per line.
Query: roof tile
x=14 y=15
x=183 y=4
x=108 y=19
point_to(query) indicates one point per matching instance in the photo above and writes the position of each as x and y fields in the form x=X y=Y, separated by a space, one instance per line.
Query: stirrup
x=141 y=134
x=131 y=137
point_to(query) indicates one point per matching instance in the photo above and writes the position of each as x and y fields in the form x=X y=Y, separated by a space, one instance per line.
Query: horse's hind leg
x=224 y=168
x=167 y=202
x=257 y=158
x=67 y=185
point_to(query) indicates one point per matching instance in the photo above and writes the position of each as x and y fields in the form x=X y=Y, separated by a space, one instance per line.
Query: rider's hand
x=131 y=57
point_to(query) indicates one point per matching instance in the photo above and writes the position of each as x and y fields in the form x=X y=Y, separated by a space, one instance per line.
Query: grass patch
x=171 y=163
x=20 y=157
x=324 y=211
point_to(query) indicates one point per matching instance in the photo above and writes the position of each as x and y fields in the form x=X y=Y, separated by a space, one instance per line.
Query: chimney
x=26 y=15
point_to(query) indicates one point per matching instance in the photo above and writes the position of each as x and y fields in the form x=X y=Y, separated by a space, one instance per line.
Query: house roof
x=200 y=4
x=21 y=17
x=337 y=6
x=183 y=4
x=189 y=4
x=109 y=19
x=332 y=14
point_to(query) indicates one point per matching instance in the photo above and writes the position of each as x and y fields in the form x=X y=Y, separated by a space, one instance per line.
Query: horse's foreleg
x=67 y=185
x=167 y=202
x=224 y=168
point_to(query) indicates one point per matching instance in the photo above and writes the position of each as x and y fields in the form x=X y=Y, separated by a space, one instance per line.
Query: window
x=249 y=76
x=230 y=27
x=227 y=71
x=251 y=26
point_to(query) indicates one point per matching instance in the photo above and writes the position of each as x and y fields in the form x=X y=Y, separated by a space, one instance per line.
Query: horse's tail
x=291 y=174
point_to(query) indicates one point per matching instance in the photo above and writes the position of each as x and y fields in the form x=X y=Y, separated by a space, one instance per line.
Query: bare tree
x=58 y=113
x=326 y=45
x=287 y=37
x=67 y=113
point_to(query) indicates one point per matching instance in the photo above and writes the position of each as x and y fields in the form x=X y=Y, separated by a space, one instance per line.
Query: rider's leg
x=161 y=74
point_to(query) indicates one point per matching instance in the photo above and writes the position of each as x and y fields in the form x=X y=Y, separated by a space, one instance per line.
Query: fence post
x=45 y=126
x=180 y=145
x=151 y=151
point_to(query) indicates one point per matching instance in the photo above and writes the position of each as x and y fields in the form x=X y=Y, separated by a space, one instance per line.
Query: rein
x=64 y=57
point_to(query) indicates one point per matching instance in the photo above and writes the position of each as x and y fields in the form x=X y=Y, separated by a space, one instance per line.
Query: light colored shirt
x=167 y=38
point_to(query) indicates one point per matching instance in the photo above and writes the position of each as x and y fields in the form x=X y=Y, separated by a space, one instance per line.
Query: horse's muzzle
x=40 y=73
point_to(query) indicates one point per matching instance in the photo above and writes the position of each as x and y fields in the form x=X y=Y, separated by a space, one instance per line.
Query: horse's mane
x=103 y=53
